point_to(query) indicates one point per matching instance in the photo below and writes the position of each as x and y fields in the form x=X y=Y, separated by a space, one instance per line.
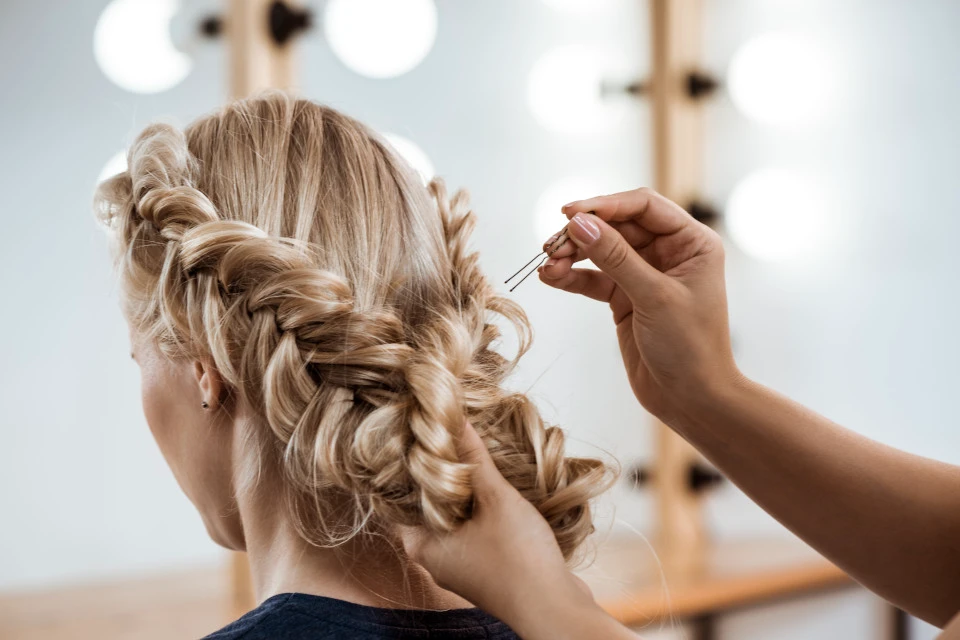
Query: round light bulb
x=547 y=218
x=579 y=6
x=564 y=91
x=132 y=45
x=775 y=214
x=782 y=79
x=413 y=154
x=116 y=164
x=381 y=38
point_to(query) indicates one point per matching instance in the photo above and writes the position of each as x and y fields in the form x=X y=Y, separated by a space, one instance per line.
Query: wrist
x=553 y=608
x=564 y=619
x=700 y=401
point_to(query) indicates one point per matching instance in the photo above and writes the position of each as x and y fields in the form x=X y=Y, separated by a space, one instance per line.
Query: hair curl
x=289 y=244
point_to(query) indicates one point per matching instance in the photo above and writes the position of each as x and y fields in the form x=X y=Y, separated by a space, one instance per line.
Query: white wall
x=863 y=334
x=84 y=492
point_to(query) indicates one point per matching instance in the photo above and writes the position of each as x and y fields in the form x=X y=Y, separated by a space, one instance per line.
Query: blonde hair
x=290 y=245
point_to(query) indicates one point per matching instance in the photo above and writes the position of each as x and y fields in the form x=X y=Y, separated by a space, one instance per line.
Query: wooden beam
x=678 y=173
x=636 y=587
x=242 y=596
x=677 y=119
x=256 y=63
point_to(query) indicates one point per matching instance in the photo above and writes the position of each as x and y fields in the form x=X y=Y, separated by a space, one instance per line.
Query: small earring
x=205 y=405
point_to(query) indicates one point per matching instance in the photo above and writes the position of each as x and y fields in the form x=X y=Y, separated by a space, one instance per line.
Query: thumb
x=487 y=479
x=608 y=249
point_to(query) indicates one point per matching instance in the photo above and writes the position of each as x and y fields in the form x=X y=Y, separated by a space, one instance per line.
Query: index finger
x=487 y=479
x=644 y=206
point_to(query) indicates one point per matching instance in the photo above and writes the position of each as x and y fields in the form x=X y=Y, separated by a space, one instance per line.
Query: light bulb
x=132 y=45
x=547 y=218
x=563 y=91
x=381 y=38
x=775 y=214
x=782 y=79
x=116 y=164
x=413 y=154
x=579 y=6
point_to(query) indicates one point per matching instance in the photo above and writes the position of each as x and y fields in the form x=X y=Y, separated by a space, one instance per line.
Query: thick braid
x=333 y=379
x=150 y=207
x=529 y=455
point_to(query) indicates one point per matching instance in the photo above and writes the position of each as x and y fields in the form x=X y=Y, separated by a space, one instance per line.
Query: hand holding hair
x=505 y=560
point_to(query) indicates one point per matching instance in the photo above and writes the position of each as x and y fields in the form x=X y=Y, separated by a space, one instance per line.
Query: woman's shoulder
x=258 y=623
x=298 y=615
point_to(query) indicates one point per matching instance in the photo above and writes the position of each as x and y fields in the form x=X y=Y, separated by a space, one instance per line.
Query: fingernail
x=584 y=230
x=550 y=263
x=551 y=239
x=567 y=206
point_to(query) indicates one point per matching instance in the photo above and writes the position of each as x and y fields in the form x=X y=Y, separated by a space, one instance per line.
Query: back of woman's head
x=337 y=299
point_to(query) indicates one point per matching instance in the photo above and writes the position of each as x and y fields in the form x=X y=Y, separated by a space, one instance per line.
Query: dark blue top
x=296 y=616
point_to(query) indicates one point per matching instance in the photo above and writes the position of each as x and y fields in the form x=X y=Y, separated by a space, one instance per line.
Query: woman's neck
x=368 y=570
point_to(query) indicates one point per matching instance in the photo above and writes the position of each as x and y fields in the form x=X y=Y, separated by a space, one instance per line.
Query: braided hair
x=339 y=301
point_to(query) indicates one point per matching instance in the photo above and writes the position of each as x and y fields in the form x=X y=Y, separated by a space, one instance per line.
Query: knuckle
x=713 y=240
x=617 y=255
x=660 y=295
x=647 y=191
x=617 y=205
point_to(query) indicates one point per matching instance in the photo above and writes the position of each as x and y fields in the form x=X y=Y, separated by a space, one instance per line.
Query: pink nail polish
x=584 y=230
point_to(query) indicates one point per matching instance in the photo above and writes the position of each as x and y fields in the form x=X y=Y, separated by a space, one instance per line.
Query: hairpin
x=551 y=249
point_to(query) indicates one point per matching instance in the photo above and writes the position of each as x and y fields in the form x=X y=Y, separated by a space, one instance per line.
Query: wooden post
x=678 y=173
x=242 y=597
x=256 y=63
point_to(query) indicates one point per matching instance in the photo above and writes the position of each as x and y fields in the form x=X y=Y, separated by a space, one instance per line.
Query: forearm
x=888 y=518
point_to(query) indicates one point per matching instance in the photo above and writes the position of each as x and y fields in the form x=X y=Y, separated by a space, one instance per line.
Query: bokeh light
x=115 y=165
x=381 y=38
x=548 y=219
x=580 y=6
x=133 y=48
x=775 y=214
x=782 y=79
x=413 y=154
x=564 y=91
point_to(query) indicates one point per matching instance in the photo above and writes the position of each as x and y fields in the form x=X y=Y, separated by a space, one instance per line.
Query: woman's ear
x=210 y=383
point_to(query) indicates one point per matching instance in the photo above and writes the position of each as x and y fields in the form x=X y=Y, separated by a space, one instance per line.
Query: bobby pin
x=551 y=249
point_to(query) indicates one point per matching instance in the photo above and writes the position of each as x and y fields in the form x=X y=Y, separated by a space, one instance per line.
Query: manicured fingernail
x=551 y=239
x=549 y=263
x=584 y=230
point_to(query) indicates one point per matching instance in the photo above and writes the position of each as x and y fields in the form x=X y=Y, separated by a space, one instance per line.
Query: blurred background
x=829 y=160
